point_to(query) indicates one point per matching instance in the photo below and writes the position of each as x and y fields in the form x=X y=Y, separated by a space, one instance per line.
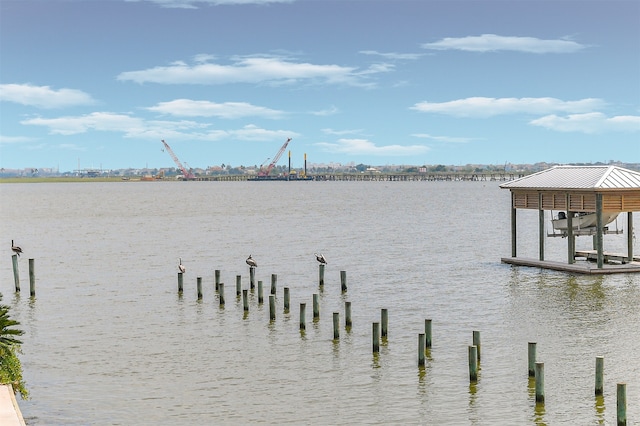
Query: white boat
x=582 y=220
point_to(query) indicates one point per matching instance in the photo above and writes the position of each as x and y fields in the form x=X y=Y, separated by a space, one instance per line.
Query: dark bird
x=320 y=258
x=17 y=250
x=251 y=262
x=181 y=267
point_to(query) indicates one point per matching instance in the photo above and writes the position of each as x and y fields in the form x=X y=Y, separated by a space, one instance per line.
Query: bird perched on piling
x=251 y=262
x=320 y=258
x=181 y=267
x=17 y=250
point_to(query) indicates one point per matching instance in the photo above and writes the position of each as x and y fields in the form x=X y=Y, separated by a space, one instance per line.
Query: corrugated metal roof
x=578 y=177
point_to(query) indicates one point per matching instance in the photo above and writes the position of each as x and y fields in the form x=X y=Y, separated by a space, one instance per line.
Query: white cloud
x=252 y=70
x=494 y=43
x=594 y=122
x=487 y=107
x=13 y=139
x=448 y=139
x=366 y=147
x=342 y=132
x=43 y=96
x=325 y=112
x=255 y=133
x=193 y=4
x=393 y=55
x=228 y=110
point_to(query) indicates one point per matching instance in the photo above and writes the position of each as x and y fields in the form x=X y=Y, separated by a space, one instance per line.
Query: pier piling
x=476 y=342
x=347 y=315
x=286 y=300
x=260 y=295
x=421 y=348
x=376 y=337
x=427 y=333
x=32 y=277
x=199 y=287
x=321 y=275
x=180 y=283
x=599 y=390
x=274 y=281
x=531 y=352
x=336 y=326
x=621 y=404
x=343 y=281
x=539 y=367
x=272 y=307
x=221 y=293
x=303 y=314
x=384 y=319
x=16 y=273
x=316 y=306
x=473 y=363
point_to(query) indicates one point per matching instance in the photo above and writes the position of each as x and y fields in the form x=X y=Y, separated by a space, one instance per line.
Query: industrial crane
x=265 y=172
x=187 y=175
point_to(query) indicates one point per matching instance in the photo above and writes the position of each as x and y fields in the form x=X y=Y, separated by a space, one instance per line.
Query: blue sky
x=98 y=84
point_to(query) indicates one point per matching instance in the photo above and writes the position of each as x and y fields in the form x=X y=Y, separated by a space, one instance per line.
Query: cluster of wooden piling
x=32 y=275
x=380 y=331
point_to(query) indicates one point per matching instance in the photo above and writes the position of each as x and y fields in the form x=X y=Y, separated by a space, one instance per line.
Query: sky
x=99 y=84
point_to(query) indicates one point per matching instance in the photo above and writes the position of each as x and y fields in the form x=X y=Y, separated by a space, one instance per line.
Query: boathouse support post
x=630 y=236
x=513 y=228
x=599 y=231
x=540 y=227
x=571 y=239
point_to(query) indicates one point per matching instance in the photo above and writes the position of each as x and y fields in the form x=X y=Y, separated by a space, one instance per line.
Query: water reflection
x=600 y=409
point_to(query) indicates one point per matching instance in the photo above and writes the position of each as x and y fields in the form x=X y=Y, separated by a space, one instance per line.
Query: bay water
x=109 y=341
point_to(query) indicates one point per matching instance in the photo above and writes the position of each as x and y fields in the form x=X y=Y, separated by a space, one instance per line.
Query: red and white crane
x=187 y=175
x=265 y=172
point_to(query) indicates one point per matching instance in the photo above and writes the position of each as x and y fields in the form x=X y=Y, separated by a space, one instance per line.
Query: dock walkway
x=10 y=414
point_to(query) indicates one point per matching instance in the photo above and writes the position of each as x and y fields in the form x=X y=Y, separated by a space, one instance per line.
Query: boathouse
x=578 y=190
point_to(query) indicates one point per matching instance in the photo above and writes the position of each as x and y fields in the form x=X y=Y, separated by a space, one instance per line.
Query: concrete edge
x=16 y=407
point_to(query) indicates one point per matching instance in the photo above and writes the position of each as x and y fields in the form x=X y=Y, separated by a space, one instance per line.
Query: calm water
x=108 y=341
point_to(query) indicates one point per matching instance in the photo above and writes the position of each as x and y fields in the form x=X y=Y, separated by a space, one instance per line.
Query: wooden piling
x=539 y=367
x=238 y=285
x=221 y=293
x=384 y=319
x=343 y=281
x=199 y=287
x=421 y=348
x=260 y=295
x=427 y=333
x=599 y=390
x=347 y=314
x=245 y=300
x=217 y=279
x=32 y=277
x=180 y=282
x=476 y=343
x=376 y=337
x=621 y=404
x=321 y=275
x=286 y=300
x=16 y=273
x=336 y=326
x=272 y=307
x=274 y=281
x=252 y=277
x=531 y=352
x=473 y=363
x=303 y=314
x=316 y=306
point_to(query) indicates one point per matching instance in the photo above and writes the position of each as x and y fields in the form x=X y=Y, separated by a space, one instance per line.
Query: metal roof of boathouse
x=593 y=178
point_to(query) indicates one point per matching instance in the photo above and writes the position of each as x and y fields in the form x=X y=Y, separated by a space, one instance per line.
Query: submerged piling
x=343 y=281
x=531 y=352
x=303 y=313
x=421 y=348
x=539 y=382
x=16 y=274
x=376 y=337
x=286 y=300
x=621 y=404
x=221 y=293
x=32 y=277
x=347 y=314
x=473 y=363
x=321 y=275
x=427 y=333
x=476 y=342
x=316 y=306
x=384 y=319
x=599 y=389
